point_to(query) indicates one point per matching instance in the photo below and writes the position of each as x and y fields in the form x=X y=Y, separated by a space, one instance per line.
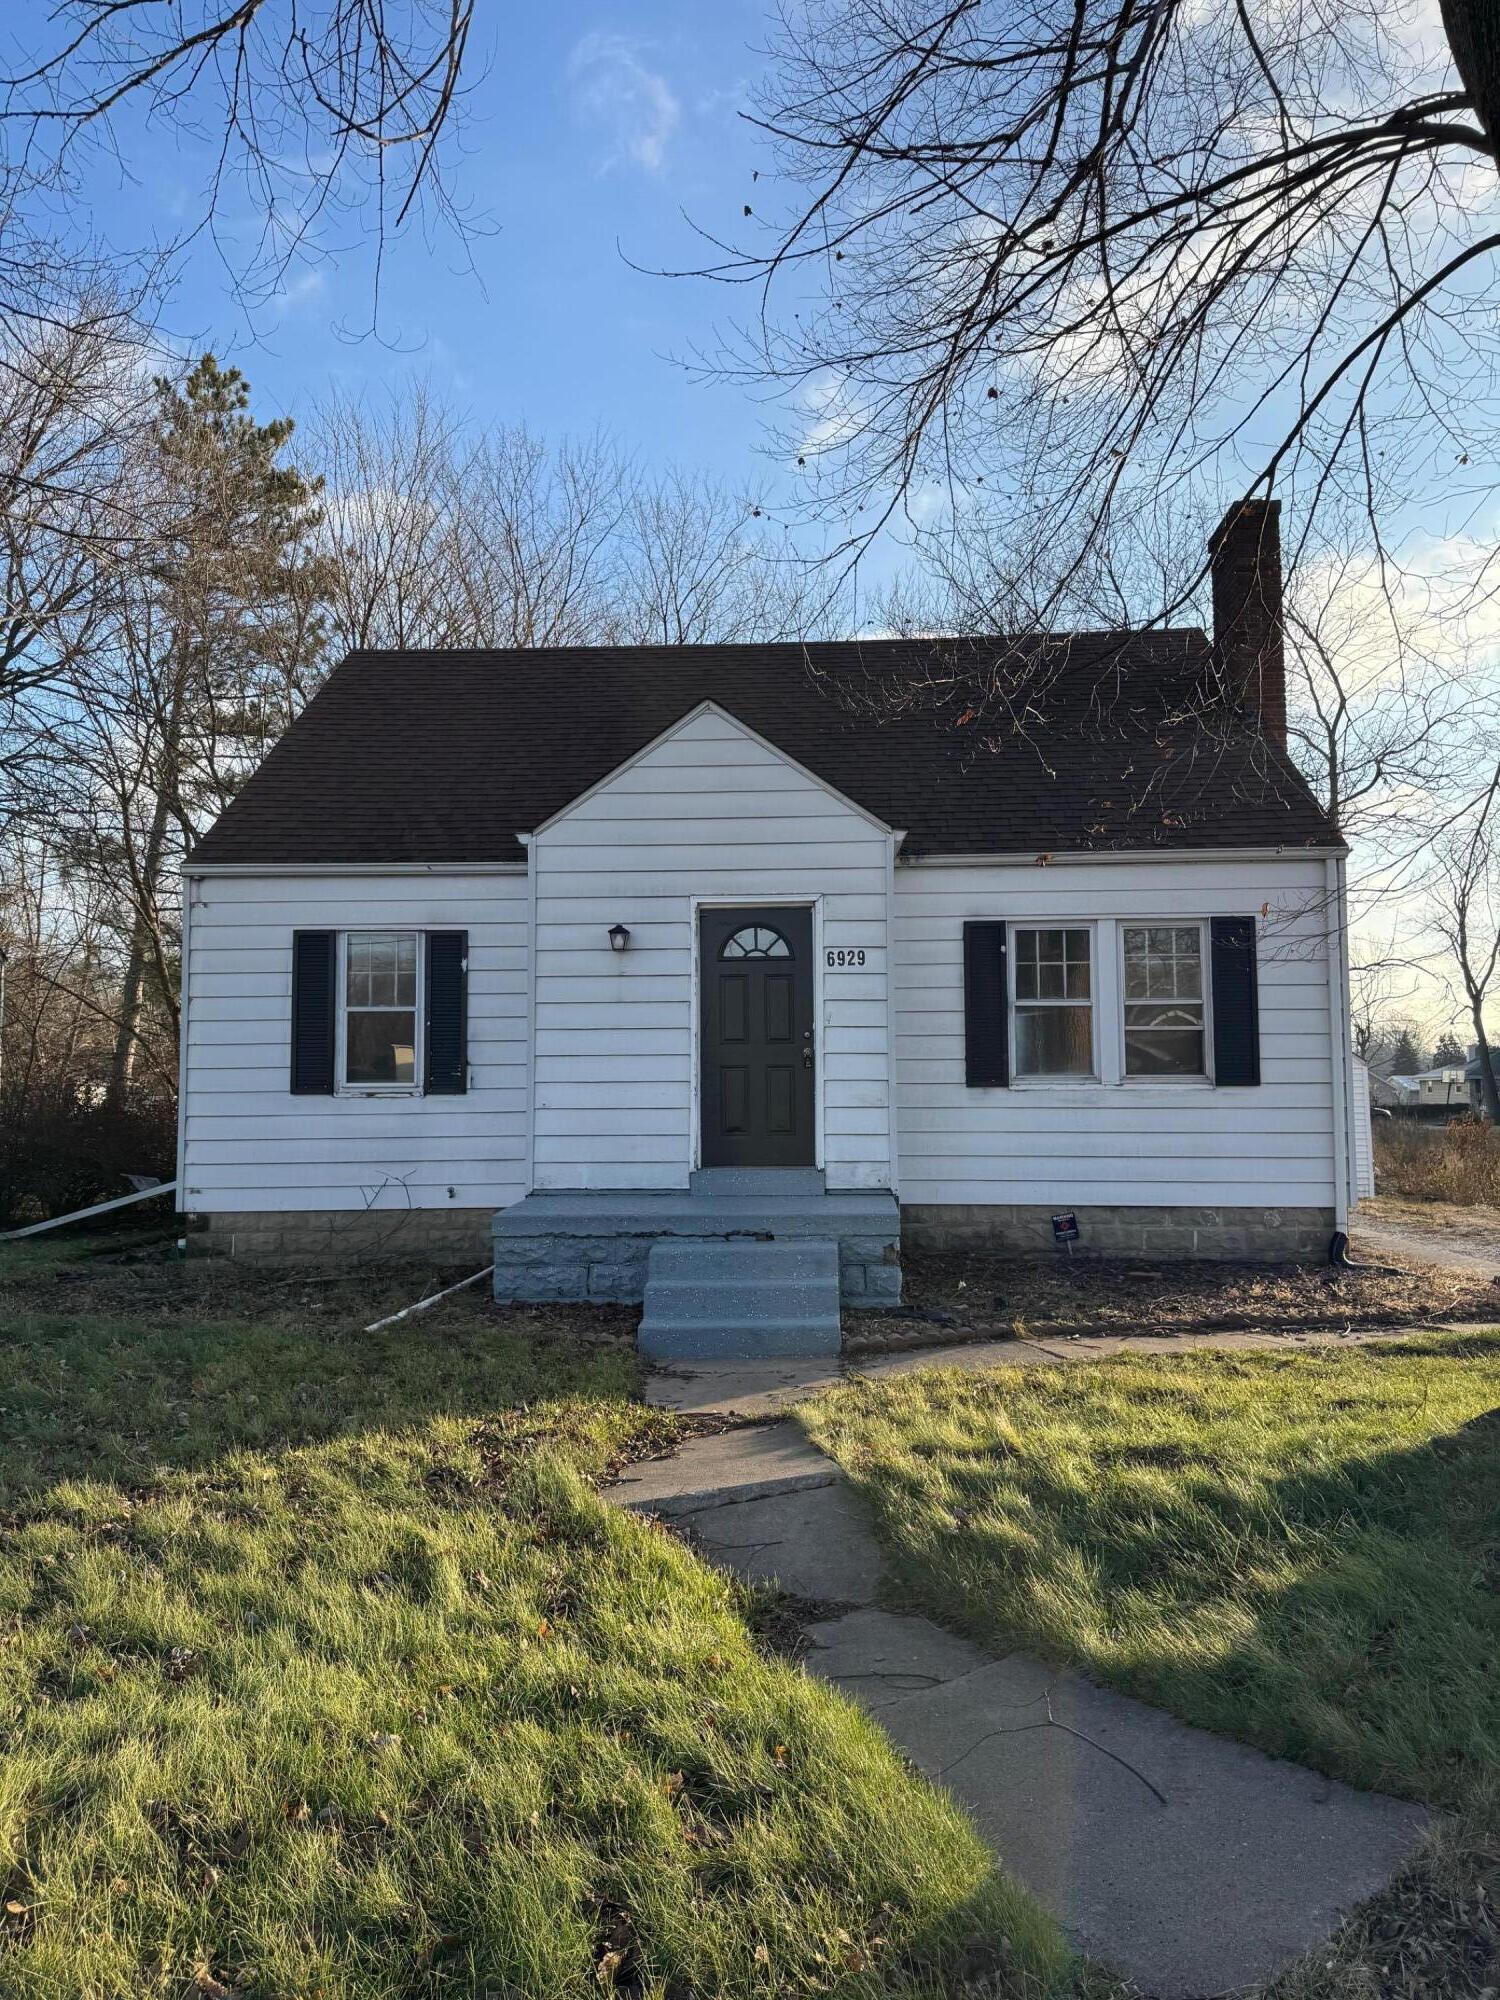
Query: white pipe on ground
x=78 y=1215
x=422 y=1304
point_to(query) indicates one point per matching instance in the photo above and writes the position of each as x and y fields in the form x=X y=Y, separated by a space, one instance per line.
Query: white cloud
x=631 y=106
x=836 y=414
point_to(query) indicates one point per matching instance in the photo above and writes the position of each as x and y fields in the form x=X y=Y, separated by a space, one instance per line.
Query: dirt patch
x=133 y=1279
x=1444 y=1224
x=973 y=1295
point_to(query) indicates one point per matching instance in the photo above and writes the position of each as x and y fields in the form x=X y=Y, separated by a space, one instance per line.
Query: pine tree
x=1406 y=1057
x=220 y=637
x=1450 y=1052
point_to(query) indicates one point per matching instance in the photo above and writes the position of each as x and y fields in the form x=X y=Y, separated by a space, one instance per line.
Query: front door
x=757 y=1034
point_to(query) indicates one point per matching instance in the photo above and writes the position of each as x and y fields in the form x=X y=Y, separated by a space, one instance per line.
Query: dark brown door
x=757 y=986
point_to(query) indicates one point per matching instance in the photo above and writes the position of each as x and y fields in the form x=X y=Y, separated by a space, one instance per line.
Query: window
x=1054 y=1002
x=758 y=941
x=381 y=1015
x=1164 y=1014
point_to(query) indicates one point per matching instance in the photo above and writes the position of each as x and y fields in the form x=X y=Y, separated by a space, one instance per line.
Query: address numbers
x=838 y=958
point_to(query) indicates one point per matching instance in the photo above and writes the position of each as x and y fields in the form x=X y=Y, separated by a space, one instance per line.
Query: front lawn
x=1301 y=1549
x=323 y=1672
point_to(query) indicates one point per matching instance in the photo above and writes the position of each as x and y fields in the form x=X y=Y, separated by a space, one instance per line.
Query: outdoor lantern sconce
x=619 y=937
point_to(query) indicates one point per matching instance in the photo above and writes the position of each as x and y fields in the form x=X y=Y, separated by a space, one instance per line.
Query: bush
x=56 y=1156
x=1459 y=1162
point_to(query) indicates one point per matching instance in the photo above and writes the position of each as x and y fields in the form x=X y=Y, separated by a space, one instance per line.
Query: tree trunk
x=147 y=902
x=1489 y=1095
x=133 y=986
x=1473 y=31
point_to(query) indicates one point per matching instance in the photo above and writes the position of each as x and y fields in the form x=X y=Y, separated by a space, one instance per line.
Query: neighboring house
x=1434 y=1091
x=1387 y=1093
x=568 y=934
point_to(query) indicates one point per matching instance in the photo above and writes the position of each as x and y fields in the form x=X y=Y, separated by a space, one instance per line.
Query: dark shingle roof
x=974 y=746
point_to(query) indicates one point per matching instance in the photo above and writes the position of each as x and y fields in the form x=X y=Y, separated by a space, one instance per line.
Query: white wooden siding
x=249 y=1144
x=1136 y=1143
x=1364 y=1137
x=710 y=813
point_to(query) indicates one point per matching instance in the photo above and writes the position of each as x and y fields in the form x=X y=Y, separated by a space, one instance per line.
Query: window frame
x=1197 y=1079
x=1052 y=1079
x=342 y=1086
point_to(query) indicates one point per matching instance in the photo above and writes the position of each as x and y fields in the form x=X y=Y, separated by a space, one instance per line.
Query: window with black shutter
x=447 y=1013
x=986 y=1028
x=1236 y=1001
x=314 y=1007
x=380 y=1012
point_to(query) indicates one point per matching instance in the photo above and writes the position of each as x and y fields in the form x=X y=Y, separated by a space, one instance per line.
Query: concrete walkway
x=1189 y=1862
x=768 y=1388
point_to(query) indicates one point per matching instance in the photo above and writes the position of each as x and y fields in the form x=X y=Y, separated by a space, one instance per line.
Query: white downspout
x=531 y=859
x=892 y=848
x=183 y=980
x=1338 y=1027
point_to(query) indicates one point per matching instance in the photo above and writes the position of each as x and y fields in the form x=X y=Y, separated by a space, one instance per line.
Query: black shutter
x=1236 y=1001
x=314 y=987
x=986 y=1007
x=447 y=1013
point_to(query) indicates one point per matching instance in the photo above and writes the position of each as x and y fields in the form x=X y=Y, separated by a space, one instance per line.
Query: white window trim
x=1205 y=1080
x=342 y=1086
x=1054 y=1080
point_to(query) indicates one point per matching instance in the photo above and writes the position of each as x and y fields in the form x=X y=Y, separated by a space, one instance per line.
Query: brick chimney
x=1245 y=564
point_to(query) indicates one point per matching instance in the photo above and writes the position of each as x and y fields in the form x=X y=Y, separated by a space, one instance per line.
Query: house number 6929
x=837 y=958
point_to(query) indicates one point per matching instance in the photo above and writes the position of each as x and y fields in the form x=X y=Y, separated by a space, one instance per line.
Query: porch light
x=619 y=937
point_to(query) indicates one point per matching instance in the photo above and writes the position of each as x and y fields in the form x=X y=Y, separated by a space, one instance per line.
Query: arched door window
x=756 y=941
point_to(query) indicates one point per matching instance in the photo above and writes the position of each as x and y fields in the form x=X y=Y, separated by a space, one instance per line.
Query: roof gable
x=681 y=727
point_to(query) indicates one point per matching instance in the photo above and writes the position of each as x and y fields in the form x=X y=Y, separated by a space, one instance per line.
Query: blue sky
x=587 y=131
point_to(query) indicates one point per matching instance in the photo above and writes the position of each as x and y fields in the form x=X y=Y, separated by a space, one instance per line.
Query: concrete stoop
x=603 y=1246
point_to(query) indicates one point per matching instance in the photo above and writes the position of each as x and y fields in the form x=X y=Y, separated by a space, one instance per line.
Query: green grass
x=1299 y=1549
x=325 y=1674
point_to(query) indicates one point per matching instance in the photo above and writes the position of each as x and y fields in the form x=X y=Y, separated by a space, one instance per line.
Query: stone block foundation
x=613 y=1267
x=1251 y=1235
x=335 y=1235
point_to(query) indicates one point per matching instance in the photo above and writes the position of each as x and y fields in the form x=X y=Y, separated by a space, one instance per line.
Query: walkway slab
x=730 y=1466
x=1191 y=1862
x=815 y=1543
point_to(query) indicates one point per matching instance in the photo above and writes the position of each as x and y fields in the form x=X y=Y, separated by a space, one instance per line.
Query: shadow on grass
x=122 y=1372
x=1288 y=1576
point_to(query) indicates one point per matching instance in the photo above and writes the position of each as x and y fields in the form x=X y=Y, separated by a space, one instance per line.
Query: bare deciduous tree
x=314 y=105
x=74 y=407
x=1467 y=921
x=1073 y=251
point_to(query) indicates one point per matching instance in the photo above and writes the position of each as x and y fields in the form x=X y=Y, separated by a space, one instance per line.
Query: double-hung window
x=1165 y=1020
x=1052 y=1001
x=381 y=1018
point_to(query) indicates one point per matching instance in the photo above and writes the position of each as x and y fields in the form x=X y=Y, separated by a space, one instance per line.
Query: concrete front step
x=732 y=1300
x=710 y=1182
x=595 y=1244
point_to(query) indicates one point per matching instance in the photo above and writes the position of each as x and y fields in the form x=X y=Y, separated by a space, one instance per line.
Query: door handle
x=807 y=1055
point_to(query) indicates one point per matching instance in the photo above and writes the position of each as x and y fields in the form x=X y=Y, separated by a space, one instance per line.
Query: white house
x=602 y=955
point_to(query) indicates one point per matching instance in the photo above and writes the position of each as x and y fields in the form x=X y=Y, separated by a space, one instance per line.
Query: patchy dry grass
x=1457 y=1163
x=1301 y=1549
x=1442 y=1225
x=324 y=1672
x=975 y=1295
